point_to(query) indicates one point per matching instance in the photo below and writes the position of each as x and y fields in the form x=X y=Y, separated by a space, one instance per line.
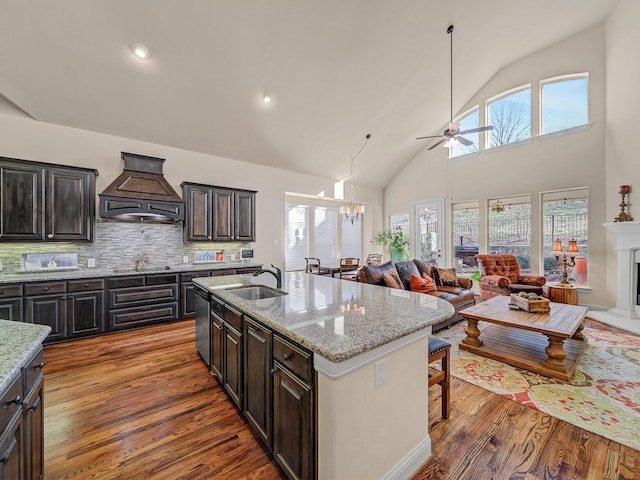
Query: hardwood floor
x=142 y=405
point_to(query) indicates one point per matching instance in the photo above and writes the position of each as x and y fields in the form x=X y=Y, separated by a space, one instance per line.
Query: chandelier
x=498 y=206
x=353 y=212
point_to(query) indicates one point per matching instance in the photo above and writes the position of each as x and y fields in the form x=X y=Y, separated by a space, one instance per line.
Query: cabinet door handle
x=287 y=356
x=7 y=453
x=40 y=365
x=46 y=289
x=209 y=237
x=15 y=400
x=34 y=407
x=86 y=285
x=50 y=235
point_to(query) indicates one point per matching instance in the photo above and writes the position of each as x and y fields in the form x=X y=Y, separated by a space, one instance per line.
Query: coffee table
x=545 y=343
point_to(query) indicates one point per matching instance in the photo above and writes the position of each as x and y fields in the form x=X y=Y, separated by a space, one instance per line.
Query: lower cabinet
x=85 y=307
x=22 y=424
x=258 y=383
x=293 y=424
x=46 y=304
x=232 y=378
x=11 y=302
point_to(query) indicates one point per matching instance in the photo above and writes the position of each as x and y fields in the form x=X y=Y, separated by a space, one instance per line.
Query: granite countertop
x=48 y=275
x=336 y=319
x=18 y=342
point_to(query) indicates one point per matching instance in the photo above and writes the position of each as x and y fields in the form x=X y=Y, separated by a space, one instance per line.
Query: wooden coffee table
x=546 y=343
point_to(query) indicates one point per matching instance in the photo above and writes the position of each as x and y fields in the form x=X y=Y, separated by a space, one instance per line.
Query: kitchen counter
x=62 y=274
x=18 y=342
x=370 y=349
x=337 y=320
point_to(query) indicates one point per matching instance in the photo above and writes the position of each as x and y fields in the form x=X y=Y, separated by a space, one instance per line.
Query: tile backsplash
x=118 y=243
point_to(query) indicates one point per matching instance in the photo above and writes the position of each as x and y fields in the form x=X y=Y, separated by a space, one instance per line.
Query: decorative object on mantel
x=623 y=216
x=353 y=212
x=572 y=250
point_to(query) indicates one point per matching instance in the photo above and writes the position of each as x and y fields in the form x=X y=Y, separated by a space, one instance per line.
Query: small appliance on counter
x=247 y=256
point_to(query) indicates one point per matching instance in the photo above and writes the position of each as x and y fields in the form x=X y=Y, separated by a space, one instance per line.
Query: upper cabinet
x=218 y=214
x=44 y=202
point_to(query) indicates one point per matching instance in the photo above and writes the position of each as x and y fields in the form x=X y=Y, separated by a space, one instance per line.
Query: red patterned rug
x=603 y=395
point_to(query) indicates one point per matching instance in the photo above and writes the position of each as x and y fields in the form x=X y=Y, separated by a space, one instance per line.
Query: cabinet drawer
x=33 y=371
x=233 y=317
x=161 y=279
x=34 y=289
x=187 y=277
x=294 y=358
x=85 y=285
x=145 y=315
x=245 y=270
x=10 y=402
x=226 y=271
x=125 y=297
x=124 y=282
x=8 y=291
x=217 y=306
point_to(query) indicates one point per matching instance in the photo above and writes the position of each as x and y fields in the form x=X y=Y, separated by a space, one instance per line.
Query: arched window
x=510 y=116
x=564 y=103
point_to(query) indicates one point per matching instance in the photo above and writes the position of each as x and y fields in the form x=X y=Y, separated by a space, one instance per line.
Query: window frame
x=487 y=116
x=559 y=79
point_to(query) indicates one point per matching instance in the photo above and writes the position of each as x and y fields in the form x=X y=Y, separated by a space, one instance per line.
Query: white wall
x=24 y=138
x=561 y=162
x=623 y=119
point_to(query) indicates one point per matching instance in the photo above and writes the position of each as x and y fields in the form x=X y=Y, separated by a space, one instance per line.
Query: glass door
x=428 y=238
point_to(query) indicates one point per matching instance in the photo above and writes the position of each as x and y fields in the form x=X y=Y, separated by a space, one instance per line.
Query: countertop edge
x=17 y=347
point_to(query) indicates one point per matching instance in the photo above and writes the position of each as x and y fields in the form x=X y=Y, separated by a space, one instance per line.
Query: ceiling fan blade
x=437 y=143
x=430 y=136
x=476 y=130
x=464 y=141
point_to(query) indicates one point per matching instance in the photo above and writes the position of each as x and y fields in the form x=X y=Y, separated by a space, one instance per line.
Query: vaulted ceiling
x=335 y=69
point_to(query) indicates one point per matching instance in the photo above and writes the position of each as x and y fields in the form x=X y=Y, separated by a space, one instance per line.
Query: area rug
x=603 y=395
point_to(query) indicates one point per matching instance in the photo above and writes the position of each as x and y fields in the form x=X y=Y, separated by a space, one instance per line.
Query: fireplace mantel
x=627 y=243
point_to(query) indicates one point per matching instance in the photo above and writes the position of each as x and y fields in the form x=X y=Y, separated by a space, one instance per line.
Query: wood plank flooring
x=142 y=405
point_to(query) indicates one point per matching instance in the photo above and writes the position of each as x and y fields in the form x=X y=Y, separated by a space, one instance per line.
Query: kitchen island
x=21 y=412
x=367 y=346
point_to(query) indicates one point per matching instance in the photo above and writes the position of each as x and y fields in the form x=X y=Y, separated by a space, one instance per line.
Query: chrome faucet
x=277 y=274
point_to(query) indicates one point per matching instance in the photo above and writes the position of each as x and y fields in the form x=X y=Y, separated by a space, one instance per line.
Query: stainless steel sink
x=256 y=292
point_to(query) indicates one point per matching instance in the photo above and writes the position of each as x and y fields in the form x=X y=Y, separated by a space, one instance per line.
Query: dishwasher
x=203 y=323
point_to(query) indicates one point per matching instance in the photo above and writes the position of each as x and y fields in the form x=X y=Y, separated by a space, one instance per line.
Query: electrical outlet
x=0 y=266
x=233 y=256
x=185 y=259
x=91 y=262
x=381 y=372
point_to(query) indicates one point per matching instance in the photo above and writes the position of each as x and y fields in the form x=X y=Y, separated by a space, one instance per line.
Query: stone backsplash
x=118 y=243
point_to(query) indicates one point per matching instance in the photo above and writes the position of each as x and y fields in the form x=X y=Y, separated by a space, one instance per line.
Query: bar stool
x=439 y=350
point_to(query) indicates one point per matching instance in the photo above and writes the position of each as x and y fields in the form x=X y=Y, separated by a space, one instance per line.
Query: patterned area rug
x=603 y=395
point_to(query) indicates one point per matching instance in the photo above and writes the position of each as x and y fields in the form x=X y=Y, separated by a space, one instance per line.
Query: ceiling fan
x=453 y=135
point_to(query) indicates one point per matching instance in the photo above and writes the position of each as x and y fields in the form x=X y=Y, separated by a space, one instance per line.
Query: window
x=510 y=116
x=401 y=221
x=314 y=228
x=565 y=217
x=465 y=235
x=297 y=241
x=564 y=103
x=469 y=121
x=510 y=228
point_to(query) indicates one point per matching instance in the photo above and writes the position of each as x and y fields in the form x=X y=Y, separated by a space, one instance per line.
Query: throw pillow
x=374 y=274
x=392 y=279
x=424 y=284
x=448 y=277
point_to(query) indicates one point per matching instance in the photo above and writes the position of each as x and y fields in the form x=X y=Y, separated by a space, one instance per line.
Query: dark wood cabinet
x=46 y=202
x=217 y=346
x=198 y=222
x=218 y=214
x=70 y=205
x=85 y=307
x=46 y=304
x=33 y=406
x=21 y=200
x=12 y=442
x=232 y=377
x=244 y=220
x=293 y=426
x=11 y=302
x=257 y=378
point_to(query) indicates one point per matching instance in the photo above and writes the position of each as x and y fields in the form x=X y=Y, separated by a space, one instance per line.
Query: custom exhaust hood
x=141 y=192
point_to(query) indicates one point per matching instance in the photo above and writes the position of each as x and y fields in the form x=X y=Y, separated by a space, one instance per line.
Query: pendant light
x=353 y=212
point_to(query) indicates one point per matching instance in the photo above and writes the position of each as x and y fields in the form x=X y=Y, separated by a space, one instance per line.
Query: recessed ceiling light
x=266 y=98
x=140 y=51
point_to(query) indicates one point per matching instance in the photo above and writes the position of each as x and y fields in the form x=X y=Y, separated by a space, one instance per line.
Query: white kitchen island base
x=369 y=432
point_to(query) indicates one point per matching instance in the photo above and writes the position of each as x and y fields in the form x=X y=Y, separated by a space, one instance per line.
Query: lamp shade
x=557 y=248
x=572 y=249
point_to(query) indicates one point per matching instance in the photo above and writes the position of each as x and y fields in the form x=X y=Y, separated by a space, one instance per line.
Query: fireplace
x=628 y=249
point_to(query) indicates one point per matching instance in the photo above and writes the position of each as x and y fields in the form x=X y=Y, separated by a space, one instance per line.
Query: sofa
x=456 y=291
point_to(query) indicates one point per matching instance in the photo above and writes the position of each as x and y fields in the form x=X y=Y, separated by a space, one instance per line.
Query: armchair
x=500 y=275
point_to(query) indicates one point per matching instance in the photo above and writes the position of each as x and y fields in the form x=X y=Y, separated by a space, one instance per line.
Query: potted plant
x=397 y=241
